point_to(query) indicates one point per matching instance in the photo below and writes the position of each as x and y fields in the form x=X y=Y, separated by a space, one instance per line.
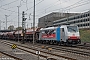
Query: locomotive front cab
x=73 y=36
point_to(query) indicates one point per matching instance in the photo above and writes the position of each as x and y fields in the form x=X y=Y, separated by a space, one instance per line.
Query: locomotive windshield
x=72 y=28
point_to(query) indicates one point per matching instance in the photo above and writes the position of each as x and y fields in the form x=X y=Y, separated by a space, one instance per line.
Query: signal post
x=23 y=27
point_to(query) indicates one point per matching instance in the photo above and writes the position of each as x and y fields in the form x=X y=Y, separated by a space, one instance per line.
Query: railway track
x=84 y=46
x=76 y=50
x=43 y=53
x=9 y=55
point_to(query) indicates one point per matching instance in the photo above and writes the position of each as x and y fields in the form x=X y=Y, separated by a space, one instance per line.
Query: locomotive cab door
x=63 y=35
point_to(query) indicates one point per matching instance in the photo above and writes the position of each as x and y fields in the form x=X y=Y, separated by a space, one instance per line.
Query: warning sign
x=14 y=46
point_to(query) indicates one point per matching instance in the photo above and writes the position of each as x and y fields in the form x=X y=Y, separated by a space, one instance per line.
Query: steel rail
x=40 y=51
x=10 y=55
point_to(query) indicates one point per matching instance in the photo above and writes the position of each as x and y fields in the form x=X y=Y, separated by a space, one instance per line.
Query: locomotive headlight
x=78 y=40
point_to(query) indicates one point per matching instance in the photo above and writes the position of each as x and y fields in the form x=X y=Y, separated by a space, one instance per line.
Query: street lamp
x=1 y=24
x=6 y=19
x=18 y=23
x=33 y=22
x=29 y=16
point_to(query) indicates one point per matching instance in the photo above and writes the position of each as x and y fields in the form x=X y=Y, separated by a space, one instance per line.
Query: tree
x=11 y=27
x=19 y=28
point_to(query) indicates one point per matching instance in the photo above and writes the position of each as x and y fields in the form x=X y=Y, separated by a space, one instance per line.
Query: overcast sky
x=43 y=7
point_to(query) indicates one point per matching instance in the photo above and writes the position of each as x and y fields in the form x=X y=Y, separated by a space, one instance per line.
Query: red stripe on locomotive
x=48 y=35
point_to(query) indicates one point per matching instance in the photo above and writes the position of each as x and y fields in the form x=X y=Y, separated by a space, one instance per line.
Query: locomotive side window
x=54 y=31
x=46 y=31
x=62 y=29
x=43 y=32
x=49 y=31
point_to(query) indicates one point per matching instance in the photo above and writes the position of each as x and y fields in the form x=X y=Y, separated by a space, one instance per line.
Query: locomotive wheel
x=59 y=44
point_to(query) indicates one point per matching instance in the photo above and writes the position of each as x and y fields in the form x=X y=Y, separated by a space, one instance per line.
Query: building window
x=77 y=17
x=86 y=24
x=81 y=16
x=88 y=19
x=88 y=14
x=78 y=25
x=83 y=20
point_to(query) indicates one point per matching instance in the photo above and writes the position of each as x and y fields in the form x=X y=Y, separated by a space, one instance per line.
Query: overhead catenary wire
x=53 y=4
x=20 y=5
x=15 y=6
x=9 y=10
x=9 y=3
x=10 y=7
x=25 y=3
x=76 y=4
x=68 y=7
x=65 y=7
x=79 y=5
x=1 y=0
x=35 y=5
x=72 y=6
x=27 y=9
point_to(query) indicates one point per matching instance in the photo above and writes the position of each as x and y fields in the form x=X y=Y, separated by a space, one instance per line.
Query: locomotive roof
x=49 y=28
